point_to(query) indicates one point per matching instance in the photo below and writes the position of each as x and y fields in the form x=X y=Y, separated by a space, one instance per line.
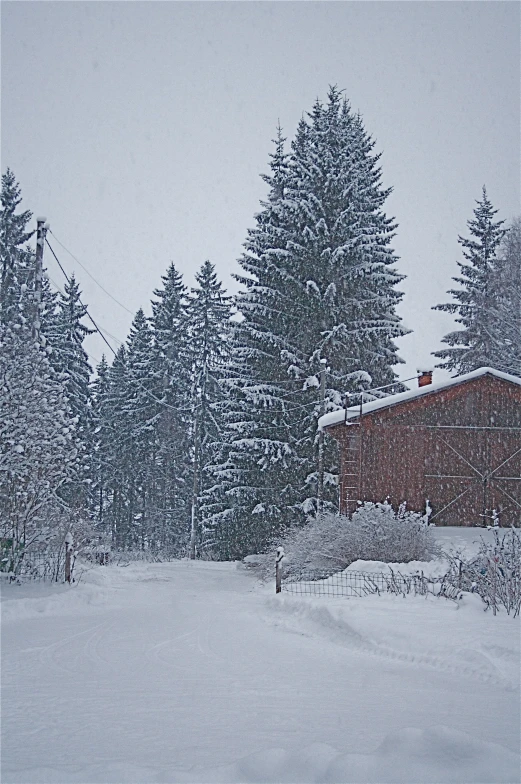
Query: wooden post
x=68 y=554
x=278 y=569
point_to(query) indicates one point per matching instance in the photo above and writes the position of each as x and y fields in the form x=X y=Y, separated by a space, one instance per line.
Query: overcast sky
x=140 y=129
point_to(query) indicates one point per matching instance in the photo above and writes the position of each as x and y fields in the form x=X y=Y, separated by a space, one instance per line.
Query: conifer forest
x=198 y=436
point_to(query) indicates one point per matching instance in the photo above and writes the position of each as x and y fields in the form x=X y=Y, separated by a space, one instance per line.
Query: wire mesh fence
x=352 y=583
x=46 y=566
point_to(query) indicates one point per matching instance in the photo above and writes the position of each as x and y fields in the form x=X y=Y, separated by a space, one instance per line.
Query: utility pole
x=320 y=488
x=41 y=231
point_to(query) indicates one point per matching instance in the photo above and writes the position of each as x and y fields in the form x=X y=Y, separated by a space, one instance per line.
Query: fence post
x=68 y=554
x=278 y=569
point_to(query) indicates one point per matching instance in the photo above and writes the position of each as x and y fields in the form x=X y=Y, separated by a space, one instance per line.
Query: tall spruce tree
x=208 y=325
x=479 y=341
x=38 y=451
x=68 y=356
x=507 y=295
x=116 y=452
x=141 y=410
x=38 y=443
x=102 y=441
x=15 y=256
x=172 y=364
x=66 y=333
x=319 y=283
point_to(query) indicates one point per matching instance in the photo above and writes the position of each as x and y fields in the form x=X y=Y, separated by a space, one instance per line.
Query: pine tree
x=68 y=355
x=141 y=411
x=38 y=440
x=116 y=452
x=208 y=317
x=15 y=257
x=66 y=333
x=172 y=363
x=507 y=295
x=319 y=283
x=102 y=445
x=475 y=305
x=38 y=452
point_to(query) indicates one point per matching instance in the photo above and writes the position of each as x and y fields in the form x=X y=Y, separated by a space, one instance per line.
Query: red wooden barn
x=456 y=444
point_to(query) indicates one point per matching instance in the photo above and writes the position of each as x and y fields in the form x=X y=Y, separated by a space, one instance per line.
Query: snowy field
x=193 y=672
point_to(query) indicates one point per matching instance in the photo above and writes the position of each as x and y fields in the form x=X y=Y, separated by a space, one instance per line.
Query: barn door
x=469 y=472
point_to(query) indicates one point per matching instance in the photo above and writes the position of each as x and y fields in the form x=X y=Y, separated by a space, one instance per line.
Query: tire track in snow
x=342 y=633
x=53 y=654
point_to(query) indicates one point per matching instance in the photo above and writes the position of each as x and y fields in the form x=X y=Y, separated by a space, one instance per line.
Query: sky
x=140 y=129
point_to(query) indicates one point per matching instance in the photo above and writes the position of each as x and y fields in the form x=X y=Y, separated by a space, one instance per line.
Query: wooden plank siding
x=459 y=447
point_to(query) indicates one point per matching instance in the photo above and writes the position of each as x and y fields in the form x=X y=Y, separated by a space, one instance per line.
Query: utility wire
x=161 y=402
x=90 y=274
x=105 y=330
x=100 y=333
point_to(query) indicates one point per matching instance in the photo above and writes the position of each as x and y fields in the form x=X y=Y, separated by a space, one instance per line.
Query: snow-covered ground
x=192 y=672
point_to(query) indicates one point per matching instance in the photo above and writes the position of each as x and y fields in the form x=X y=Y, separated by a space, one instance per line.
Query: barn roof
x=336 y=417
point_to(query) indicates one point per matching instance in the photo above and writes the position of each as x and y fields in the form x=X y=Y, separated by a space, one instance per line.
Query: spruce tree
x=141 y=410
x=507 y=295
x=38 y=442
x=172 y=365
x=15 y=256
x=38 y=450
x=102 y=447
x=68 y=355
x=66 y=334
x=117 y=454
x=319 y=283
x=208 y=317
x=477 y=343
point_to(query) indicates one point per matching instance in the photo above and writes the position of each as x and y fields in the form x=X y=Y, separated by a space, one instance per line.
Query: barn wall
x=441 y=447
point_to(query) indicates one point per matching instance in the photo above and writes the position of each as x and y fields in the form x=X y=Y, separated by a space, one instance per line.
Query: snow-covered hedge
x=375 y=532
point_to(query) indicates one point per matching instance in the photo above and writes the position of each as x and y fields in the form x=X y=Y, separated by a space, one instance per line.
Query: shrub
x=494 y=573
x=375 y=532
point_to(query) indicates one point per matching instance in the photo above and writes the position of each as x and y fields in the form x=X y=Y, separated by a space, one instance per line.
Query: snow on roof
x=336 y=417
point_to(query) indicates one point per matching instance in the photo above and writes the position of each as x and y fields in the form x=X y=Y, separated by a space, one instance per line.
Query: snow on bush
x=376 y=532
x=494 y=573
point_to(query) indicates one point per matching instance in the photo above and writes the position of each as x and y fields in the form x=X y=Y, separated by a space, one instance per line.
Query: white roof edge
x=336 y=417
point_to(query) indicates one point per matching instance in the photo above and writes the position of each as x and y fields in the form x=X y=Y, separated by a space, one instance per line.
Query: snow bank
x=422 y=631
x=436 y=568
x=33 y=600
x=438 y=754
x=97 y=588
x=410 y=756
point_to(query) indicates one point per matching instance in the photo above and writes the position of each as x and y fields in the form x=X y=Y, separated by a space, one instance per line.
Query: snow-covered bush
x=375 y=532
x=494 y=573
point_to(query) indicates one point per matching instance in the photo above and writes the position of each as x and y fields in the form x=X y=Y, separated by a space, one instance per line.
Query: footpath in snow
x=192 y=672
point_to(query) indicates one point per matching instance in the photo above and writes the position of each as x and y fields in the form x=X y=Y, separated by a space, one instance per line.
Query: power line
x=105 y=330
x=79 y=299
x=161 y=402
x=100 y=333
x=90 y=274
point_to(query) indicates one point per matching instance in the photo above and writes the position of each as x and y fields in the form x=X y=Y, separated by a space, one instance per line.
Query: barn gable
x=457 y=444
